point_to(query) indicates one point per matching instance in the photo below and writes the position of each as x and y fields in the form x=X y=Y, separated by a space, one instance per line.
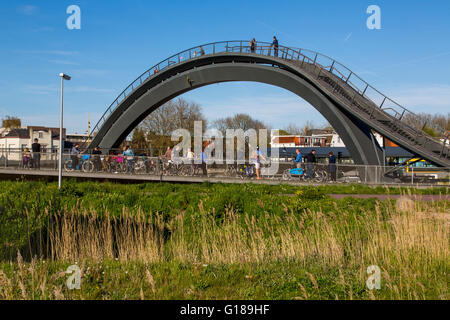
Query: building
x=77 y=138
x=14 y=141
x=320 y=139
x=314 y=138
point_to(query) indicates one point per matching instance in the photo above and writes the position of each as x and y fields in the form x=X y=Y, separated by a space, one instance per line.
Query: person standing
x=253 y=45
x=167 y=159
x=129 y=157
x=332 y=166
x=96 y=153
x=74 y=154
x=27 y=158
x=36 y=154
x=310 y=161
x=275 y=46
x=190 y=157
x=204 y=169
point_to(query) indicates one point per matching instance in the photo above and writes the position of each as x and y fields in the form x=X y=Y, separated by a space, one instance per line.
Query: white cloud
x=430 y=99
x=28 y=10
x=47 y=52
x=43 y=29
x=348 y=37
x=272 y=110
x=51 y=89
x=74 y=122
x=90 y=72
x=64 y=62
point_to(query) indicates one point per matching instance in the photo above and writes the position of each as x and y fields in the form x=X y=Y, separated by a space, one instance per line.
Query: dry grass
x=408 y=245
x=409 y=237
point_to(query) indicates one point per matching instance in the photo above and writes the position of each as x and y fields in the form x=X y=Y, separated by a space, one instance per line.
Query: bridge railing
x=111 y=166
x=307 y=58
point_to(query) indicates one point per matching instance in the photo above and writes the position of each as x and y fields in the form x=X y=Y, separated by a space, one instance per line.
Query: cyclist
x=299 y=159
x=257 y=158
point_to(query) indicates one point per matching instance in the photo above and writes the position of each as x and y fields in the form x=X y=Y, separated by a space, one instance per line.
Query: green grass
x=217 y=241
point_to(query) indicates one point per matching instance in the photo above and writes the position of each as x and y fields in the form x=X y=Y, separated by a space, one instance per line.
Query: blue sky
x=408 y=59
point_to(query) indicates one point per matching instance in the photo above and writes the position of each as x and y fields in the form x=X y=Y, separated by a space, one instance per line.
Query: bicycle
x=82 y=166
x=299 y=173
x=231 y=171
x=26 y=162
x=246 y=171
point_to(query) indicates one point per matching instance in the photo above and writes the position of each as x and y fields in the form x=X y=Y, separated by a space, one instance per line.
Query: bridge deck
x=8 y=174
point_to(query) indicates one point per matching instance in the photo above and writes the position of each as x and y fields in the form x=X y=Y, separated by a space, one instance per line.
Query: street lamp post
x=61 y=146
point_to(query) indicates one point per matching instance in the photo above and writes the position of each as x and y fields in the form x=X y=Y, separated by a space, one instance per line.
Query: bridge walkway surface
x=52 y=175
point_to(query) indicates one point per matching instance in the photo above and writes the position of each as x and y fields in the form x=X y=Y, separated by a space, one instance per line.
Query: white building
x=318 y=139
x=314 y=139
x=14 y=141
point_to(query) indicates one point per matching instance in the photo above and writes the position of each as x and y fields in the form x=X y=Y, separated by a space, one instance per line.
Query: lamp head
x=65 y=76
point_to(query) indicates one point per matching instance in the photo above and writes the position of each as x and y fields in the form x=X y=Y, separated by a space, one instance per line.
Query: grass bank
x=163 y=241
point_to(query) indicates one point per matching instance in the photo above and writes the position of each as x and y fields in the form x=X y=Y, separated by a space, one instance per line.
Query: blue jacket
x=299 y=158
x=128 y=153
x=204 y=157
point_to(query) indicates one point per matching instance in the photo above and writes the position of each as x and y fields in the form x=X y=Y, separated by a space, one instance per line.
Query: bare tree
x=175 y=114
x=239 y=121
x=11 y=122
x=293 y=129
x=432 y=124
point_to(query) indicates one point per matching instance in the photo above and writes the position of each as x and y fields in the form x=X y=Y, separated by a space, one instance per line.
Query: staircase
x=394 y=128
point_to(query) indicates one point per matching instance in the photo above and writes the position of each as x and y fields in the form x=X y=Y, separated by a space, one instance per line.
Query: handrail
x=265 y=48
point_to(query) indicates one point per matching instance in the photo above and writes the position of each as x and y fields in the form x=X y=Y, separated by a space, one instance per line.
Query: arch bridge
x=353 y=107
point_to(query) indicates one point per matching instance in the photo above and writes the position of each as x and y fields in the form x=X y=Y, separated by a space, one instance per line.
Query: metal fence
x=118 y=164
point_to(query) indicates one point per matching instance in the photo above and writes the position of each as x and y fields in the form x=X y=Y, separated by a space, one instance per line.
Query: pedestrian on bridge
x=332 y=166
x=96 y=155
x=167 y=157
x=36 y=154
x=275 y=46
x=253 y=45
x=310 y=161
x=74 y=154
x=203 y=165
x=129 y=156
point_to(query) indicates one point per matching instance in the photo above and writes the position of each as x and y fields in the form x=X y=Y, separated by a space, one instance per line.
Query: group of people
x=274 y=45
x=75 y=154
x=311 y=160
x=190 y=159
x=32 y=159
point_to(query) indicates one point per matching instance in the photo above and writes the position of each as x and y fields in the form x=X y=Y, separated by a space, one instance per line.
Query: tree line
x=154 y=133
